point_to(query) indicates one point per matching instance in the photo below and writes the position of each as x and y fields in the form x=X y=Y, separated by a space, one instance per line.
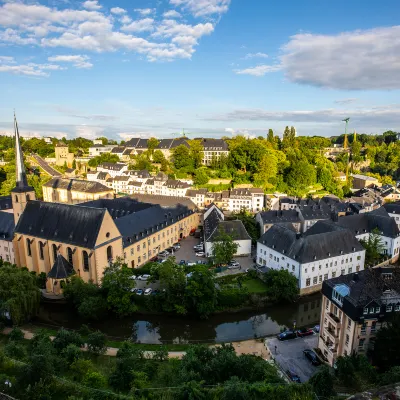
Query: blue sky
x=214 y=67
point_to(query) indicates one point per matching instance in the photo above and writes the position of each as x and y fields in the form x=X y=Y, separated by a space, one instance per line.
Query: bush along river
x=224 y=327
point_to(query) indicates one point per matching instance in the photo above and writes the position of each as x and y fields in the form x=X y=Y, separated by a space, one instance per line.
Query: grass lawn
x=255 y=286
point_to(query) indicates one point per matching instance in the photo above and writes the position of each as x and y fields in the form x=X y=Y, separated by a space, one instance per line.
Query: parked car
x=155 y=292
x=286 y=335
x=170 y=250
x=200 y=254
x=139 y=292
x=176 y=246
x=234 y=266
x=144 y=277
x=201 y=262
x=182 y=262
x=134 y=290
x=316 y=328
x=148 y=291
x=233 y=263
x=312 y=357
x=190 y=263
x=163 y=253
x=304 y=332
x=133 y=277
x=197 y=247
x=293 y=376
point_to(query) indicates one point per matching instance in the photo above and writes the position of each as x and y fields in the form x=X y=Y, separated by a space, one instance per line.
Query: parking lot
x=289 y=355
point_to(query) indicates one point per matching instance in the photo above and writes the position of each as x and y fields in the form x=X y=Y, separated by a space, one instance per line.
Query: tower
x=22 y=193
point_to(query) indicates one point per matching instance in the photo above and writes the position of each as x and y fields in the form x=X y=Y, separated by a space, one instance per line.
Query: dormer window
x=339 y=293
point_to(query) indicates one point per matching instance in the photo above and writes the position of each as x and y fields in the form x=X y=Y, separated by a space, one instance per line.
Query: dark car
x=305 y=332
x=182 y=262
x=293 y=376
x=155 y=292
x=312 y=357
x=287 y=335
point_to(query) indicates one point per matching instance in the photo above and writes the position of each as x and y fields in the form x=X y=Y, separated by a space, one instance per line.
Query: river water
x=224 y=327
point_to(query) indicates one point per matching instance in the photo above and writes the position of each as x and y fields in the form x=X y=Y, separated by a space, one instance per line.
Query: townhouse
x=112 y=169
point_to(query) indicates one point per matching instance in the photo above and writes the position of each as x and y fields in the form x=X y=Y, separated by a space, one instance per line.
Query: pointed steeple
x=22 y=182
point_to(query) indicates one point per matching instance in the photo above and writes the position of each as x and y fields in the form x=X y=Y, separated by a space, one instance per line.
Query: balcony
x=331 y=333
x=331 y=347
x=335 y=321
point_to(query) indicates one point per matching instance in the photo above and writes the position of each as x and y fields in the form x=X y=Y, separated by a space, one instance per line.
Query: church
x=66 y=239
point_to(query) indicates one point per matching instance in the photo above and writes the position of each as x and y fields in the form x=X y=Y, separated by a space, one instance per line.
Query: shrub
x=232 y=297
x=94 y=380
x=93 y=308
x=15 y=350
x=96 y=342
x=80 y=368
x=16 y=335
x=65 y=337
x=71 y=353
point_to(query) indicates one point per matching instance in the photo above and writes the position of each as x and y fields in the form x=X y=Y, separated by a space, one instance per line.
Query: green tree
x=105 y=157
x=223 y=248
x=97 y=342
x=373 y=246
x=93 y=308
x=152 y=143
x=322 y=382
x=301 y=174
x=249 y=222
x=71 y=353
x=196 y=152
x=282 y=286
x=65 y=337
x=95 y=380
x=270 y=136
x=16 y=335
x=158 y=156
x=181 y=157
x=74 y=164
x=19 y=294
x=200 y=177
x=118 y=286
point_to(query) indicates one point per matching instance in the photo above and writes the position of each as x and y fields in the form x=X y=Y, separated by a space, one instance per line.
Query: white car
x=163 y=253
x=200 y=254
x=144 y=277
x=236 y=266
x=133 y=277
x=233 y=263
x=148 y=291
x=190 y=264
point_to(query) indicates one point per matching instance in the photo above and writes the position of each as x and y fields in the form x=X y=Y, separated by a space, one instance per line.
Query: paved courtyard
x=289 y=355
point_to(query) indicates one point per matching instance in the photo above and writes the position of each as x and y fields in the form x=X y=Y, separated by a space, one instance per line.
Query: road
x=46 y=167
x=289 y=355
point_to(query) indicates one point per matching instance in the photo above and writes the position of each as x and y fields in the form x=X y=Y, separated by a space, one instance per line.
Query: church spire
x=22 y=182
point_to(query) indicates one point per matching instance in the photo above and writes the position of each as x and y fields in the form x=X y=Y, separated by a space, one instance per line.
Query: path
x=252 y=346
x=46 y=167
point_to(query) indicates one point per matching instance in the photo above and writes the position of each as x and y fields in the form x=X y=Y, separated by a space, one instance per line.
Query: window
x=308 y=281
x=373 y=327
x=358 y=257
x=325 y=277
x=372 y=310
x=144 y=245
x=16 y=199
x=312 y=269
x=349 y=324
x=377 y=309
x=69 y=254
x=361 y=344
x=347 y=339
x=54 y=251
x=335 y=263
x=327 y=304
x=305 y=270
x=315 y=279
x=28 y=247
x=343 y=271
x=28 y=198
x=320 y=278
x=397 y=308
x=132 y=251
x=41 y=252
x=365 y=310
x=333 y=274
x=293 y=267
x=363 y=327
x=138 y=247
x=85 y=258
x=350 y=270
x=139 y=260
x=109 y=253
x=154 y=239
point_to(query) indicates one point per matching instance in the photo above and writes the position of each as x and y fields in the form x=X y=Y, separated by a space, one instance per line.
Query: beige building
x=74 y=191
x=354 y=307
x=363 y=181
x=63 y=156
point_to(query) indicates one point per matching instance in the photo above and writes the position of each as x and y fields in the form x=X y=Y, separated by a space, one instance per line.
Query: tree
x=158 y=156
x=196 y=152
x=71 y=353
x=282 y=286
x=118 y=286
x=223 y=248
x=94 y=379
x=249 y=222
x=200 y=177
x=270 y=136
x=19 y=294
x=386 y=353
x=74 y=164
x=301 y=174
x=152 y=143
x=181 y=157
x=105 y=157
x=96 y=342
x=374 y=247
x=322 y=382
x=65 y=338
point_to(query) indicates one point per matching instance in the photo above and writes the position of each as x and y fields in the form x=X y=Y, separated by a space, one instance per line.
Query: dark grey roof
x=234 y=228
x=238 y=193
x=194 y=192
x=122 y=178
x=102 y=176
x=211 y=223
x=175 y=184
x=275 y=216
x=161 y=176
x=5 y=203
x=165 y=144
x=73 y=224
x=132 y=142
x=164 y=201
x=127 y=152
x=61 y=269
x=392 y=208
x=112 y=166
x=118 y=150
x=77 y=185
x=214 y=144
x=367 y=222
x=7 y=226
x=142 y=144
x=320 y=242
x=135 y=183
x=69 y=170
x=143 y=173
x=381 y=211
x=316 y=212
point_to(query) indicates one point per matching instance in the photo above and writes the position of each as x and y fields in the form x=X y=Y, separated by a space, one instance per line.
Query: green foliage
x=374 y=248
x=229 y=297
x=249 y=222
x=158 y=156
x=196 y=153
x=391 y=376
x=94 y=308
x=65 y=338
x=19 y=294
x=102 y=158
x=71 y=353
x=223 y=248
x=94 y=379
x=181 y=157
x=152 y=143
x=15 y=350
x=16 y=335
x=118 y=288
x=80 y=367
x=96 y=342
x=322 y=382
x=282 y=286
x=200 y=177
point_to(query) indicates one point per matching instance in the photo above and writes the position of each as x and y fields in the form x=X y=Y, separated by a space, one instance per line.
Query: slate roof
x=320 y=242
x=392 y=208
x=112 y=166
x=132 y=142
x=367 y=222
x=238 y=193
x=234 y=228
x=195 y=192
x=121 y=178
x=364 y=177
x=164 y=201
x=72 y=224
x=7 y=226
x=118 y=150
x=127 y=152
x=214 y=144
x=135 y=183
x=141 y=144
x=61 y=269
x=143 y=173
x=316 y=212
x=175 y=184
x=276 y=216
x=211 y=224
x=5 y=203
x=102 y=176
x=76 y=185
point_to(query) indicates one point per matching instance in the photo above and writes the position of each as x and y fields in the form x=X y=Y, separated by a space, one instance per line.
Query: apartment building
x=393 y=210
x=325 y=251
x=99 y=149
x=293 y=217
x=112 y=169
x=213 y=149
x=248 y=199
x=74 y=191
x=354 y=307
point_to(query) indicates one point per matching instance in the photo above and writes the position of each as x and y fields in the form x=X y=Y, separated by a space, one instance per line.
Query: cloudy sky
x=125 y=68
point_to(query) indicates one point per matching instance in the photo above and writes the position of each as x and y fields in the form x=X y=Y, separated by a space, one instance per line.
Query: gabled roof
x=74 y=224
x=392 y=208
x=7 y=226
x=5 y=203
x=77 y=185
x=118 y=150
x=214 y=144
x=102 y=175
x=112 y=166
x=61 y=269
x=164 y=201
x=234 y=228
x=275 y=216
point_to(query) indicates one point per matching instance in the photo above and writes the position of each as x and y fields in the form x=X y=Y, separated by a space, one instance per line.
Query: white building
x=213 y=149
x=7 y=226
x=213 y=223
x=249 y=199
x=112 y=169
x=325 y=251
x=393 y=210
x=99 y=149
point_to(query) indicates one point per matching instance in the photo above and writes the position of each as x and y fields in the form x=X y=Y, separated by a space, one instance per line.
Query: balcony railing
x=334 y=317
x=331 y=332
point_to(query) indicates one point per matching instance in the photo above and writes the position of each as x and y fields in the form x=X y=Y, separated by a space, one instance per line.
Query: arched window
x=28 y=198
x=109 y=253
x=54 y=252
x=28 y=246
x=85 y=257
x=70 y=258
x=41 y=252
x=16 y=199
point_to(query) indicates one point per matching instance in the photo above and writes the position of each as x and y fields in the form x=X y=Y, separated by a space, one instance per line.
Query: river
x=225 y=327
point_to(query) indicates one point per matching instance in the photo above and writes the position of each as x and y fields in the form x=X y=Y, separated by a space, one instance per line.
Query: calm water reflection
x=218 y=328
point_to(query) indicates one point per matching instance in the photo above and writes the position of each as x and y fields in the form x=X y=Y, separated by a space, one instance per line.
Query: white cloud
x=255 y=55
x=92 y=5
x=145 y=11
x=7 y=60
x=260 y=70
x=172 y=14
x=126 y=20
x=171 y=28
x=141 y=25
x=201 y=8
x=346 y=101
x=118 y=10
x=77 y=60
x=31 y=69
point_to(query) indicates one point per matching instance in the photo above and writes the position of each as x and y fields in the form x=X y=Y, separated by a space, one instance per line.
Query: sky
x=142 y=68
